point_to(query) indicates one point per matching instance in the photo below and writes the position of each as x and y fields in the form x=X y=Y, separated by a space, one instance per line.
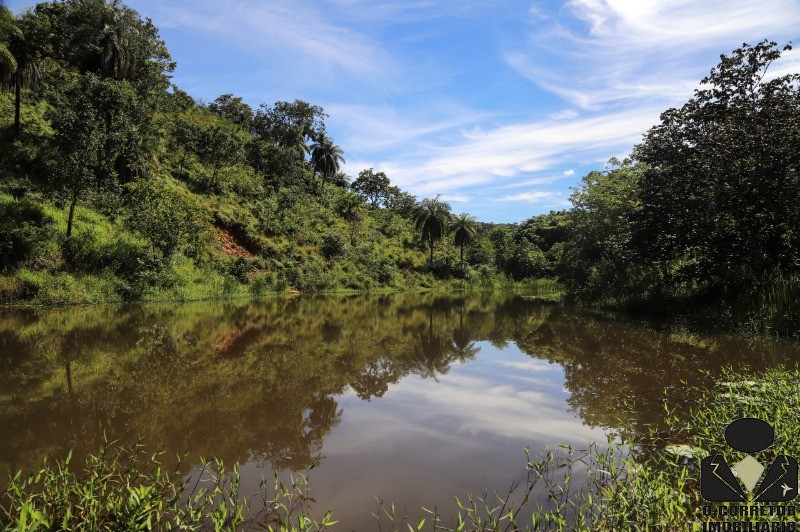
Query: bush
x=25 y=227
x=241 y=269
x=385 y=271
x=333 y=245
x=125 y=255
x=310 y=277
x=261 y=284
x=162 y=216
x=462 y=271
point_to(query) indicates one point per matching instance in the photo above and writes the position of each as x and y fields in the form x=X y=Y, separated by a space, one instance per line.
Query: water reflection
x=285 y=383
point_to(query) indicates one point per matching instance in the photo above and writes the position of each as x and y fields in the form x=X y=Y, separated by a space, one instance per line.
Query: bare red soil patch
x=230 y=245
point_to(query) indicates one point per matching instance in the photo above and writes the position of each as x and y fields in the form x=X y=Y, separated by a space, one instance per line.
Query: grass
x=648 y=484
x=124 y=488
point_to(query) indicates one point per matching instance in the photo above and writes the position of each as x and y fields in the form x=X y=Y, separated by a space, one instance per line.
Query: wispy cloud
x=623 y=51
x=539 y=196
x=296 y=28
x=496 y=156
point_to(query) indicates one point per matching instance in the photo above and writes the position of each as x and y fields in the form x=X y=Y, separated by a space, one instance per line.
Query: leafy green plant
x=333 y=245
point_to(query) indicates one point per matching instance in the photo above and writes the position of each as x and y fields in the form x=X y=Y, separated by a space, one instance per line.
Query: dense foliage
x=705 y=210
x=115 y=184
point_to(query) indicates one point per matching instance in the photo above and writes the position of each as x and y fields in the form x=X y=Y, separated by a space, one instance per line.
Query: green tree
x=432 y=220
x=78 y=139
x=372 y=185
x=401 y=202
x=8 y=63
x=720 y=196
x=464 y=229
x=326 y=157
x=289 y=124
x=109 y=39
x=233 y=109
x=163 y=216
x=600 y=257
x=26 y=57
x=350 y=207
x=215 y=142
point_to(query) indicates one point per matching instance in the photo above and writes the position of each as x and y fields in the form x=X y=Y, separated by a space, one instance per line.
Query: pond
x=412 y=398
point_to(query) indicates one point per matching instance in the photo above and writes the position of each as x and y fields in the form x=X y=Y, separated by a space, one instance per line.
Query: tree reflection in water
x=262 y=380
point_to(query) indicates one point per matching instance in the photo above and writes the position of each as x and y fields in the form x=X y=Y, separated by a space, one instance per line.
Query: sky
x=499 y=106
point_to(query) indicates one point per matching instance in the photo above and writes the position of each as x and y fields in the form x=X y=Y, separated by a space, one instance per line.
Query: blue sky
x=500 y=106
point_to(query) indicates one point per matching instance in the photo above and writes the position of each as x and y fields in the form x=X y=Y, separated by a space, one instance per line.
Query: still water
x=411 y=398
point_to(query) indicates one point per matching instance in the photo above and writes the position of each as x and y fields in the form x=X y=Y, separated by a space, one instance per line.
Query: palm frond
x=8 y=66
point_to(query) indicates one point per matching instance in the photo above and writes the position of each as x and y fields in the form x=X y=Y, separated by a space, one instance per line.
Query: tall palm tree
x=432 y=219
x=464 y=227
x=116 y=60
x=8 y=63
x=21 y=62
x=326 y=157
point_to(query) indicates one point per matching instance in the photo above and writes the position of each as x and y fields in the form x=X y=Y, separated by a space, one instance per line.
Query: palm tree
x=431 y=355
x=432 y=219
x=116 y=59
x=21 y=63
x=326 y=156
x=8 y=63
x=464 y=227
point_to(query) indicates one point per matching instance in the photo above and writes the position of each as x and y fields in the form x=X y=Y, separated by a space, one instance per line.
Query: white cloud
x=296 y=30
x=568 y=173
x=539 y=196
x=456 y=198
x=508 y=152
x=625 y=51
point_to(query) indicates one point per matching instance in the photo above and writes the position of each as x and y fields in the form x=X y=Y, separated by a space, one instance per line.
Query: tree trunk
x=71 y=214
x=431 y=253
x=17 y=105
x=462 y=254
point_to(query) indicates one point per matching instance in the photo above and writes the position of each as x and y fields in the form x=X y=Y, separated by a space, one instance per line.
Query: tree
x=464 y=228
x=350 y=207
x=325 y=157
x=8 y=63
x=600 y=257
x=720 y=195
x=78 y=138
x=233 y=109
x=432 y=220
x=215 y=142
x=109 y=39
x=25 y=56
x=401 y=202
x=289 y=124
x=161 y=215
x=372 y=185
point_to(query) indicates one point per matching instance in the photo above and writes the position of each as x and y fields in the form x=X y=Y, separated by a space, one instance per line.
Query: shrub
x=333 y=245
x=310 y=277
x=261 y=284
x=241 y=269
x=25 y=227
x=162 y=216
x=462 y=271
x=385 y=271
